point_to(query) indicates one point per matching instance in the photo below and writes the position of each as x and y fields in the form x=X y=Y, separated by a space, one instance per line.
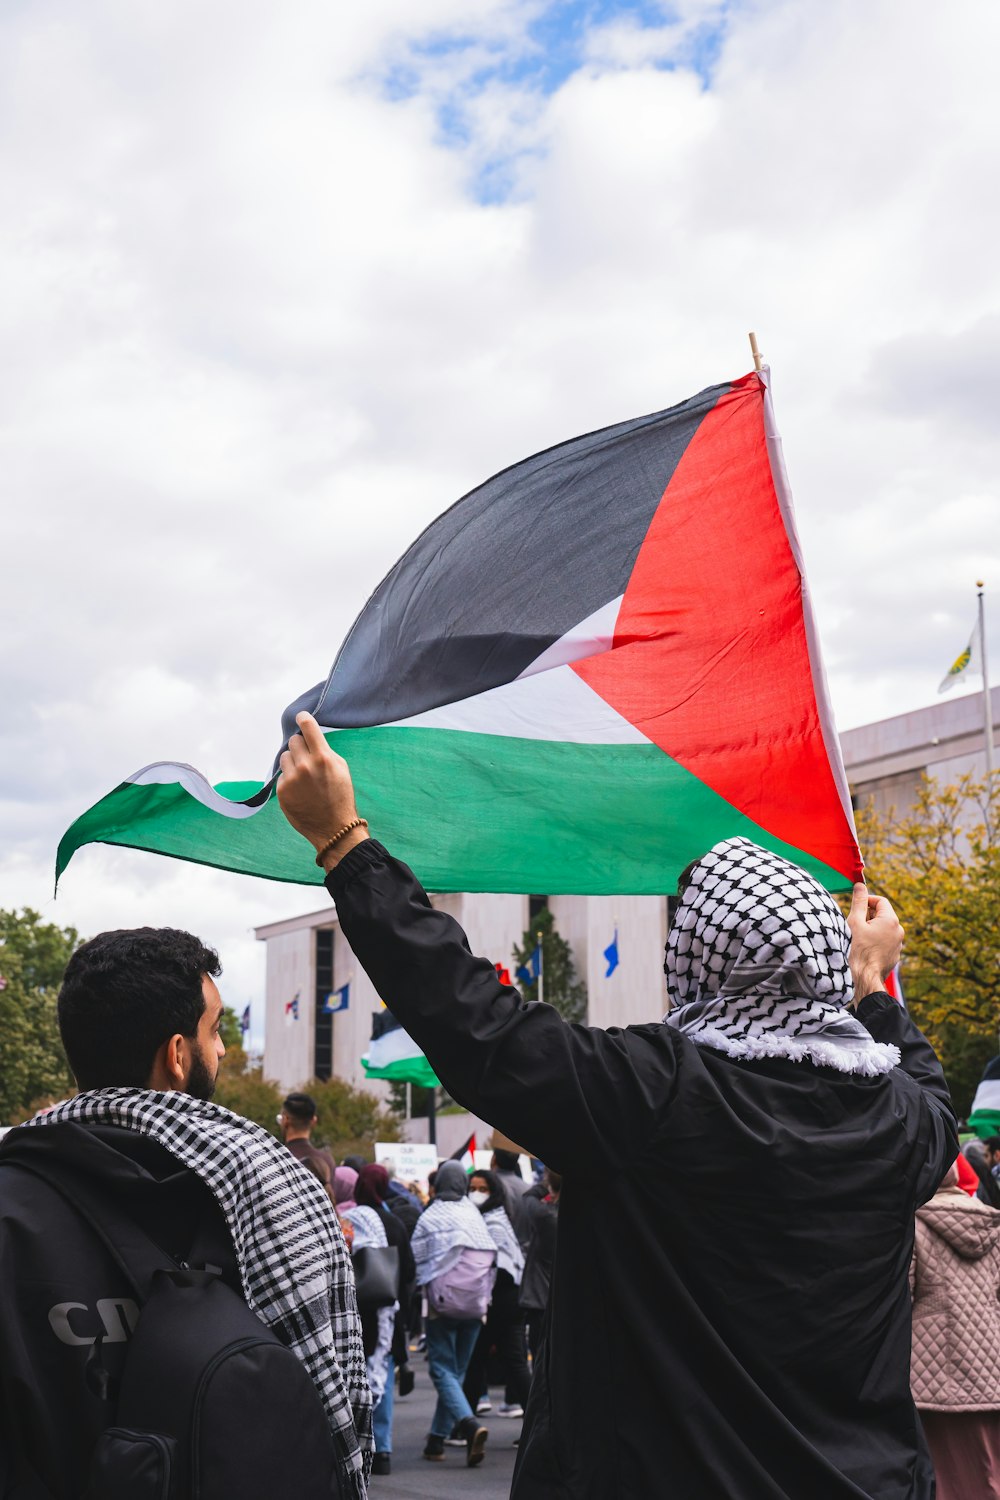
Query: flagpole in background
x=987 y=700
x=541 y=967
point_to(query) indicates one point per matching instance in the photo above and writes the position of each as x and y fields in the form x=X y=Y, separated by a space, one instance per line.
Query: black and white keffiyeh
x=510 y=1256
x=369 y=1233
x=293 y=1262
x=756 y=965
x=448 y=1225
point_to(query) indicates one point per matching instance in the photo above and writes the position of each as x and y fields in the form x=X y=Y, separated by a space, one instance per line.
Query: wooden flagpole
x=758 y=362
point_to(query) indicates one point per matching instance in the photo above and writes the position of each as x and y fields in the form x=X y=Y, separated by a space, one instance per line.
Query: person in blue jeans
x=448 y=1227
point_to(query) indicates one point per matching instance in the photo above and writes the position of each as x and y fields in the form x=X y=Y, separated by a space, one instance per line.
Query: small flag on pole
x=984 y=1117
x=466 y=1155
x=394 y=1055
x=338 y=1000
x=245 y=1021
x=529 y=972
x=502 y=974
x=611 y=954
x=965 y=665
x=292 y=1009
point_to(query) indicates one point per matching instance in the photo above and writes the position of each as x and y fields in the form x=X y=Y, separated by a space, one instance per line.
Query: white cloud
x=258 y=329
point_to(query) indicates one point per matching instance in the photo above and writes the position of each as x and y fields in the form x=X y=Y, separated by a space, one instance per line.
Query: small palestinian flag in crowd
x=985 y=1116
x=466 y=1155
x=627 y=610
x=394 y=1055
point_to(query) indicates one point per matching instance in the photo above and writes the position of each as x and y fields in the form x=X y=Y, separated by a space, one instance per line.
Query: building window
x=323 y=1038
x=535 y=905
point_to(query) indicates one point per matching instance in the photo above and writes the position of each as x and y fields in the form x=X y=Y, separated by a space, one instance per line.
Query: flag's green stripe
x=415 y=1070
x=469 y=812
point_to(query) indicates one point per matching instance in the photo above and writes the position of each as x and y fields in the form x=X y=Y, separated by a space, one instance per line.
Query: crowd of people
x=441 y=1234
x=754 y=1209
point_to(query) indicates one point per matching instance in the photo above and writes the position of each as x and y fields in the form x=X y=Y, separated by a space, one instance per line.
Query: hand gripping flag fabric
x=584 y=674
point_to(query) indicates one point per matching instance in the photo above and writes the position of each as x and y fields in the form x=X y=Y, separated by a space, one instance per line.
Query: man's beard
x=200 y=1083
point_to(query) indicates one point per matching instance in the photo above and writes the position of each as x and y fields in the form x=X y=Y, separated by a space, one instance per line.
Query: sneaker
x=513 y=1409
x=434 y=1448
x=457 y=1439
x=483 y=1405
x=475 y=1441
x=382 y=1463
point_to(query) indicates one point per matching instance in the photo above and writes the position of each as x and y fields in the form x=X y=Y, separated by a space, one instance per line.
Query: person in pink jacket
x=955 y=1368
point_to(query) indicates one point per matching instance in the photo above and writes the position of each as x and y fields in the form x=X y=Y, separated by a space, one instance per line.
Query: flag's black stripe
x=383 y=1021
x=476 y=598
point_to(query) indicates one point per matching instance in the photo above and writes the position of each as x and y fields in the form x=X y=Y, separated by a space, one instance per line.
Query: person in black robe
x=730 y=1313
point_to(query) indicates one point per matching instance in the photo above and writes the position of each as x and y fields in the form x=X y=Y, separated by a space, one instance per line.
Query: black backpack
x=210 y=1405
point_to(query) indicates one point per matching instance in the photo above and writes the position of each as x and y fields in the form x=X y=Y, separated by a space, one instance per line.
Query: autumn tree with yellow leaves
x=939 y=864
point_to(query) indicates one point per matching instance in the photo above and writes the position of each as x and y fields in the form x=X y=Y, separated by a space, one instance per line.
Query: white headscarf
x=756 y=965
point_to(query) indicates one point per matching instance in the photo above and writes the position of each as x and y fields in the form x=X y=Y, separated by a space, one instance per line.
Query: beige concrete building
x=886 y=760
x=308 y=958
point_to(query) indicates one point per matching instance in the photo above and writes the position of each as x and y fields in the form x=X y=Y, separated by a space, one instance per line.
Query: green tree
x=560 y=986
x=33 y=1067
x=241 y=1085
x=939 y=864
x=350 y=1120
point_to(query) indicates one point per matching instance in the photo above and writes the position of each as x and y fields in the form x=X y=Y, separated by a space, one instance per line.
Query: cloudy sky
x=281 y=283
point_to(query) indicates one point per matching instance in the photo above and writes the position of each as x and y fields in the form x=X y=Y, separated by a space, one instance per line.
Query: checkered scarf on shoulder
x=756 y=965
x=294 y=1265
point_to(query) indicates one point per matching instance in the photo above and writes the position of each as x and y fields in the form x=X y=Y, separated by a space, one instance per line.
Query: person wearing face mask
x=504 y=1326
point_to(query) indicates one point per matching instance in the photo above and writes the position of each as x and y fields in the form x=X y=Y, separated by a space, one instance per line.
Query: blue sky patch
x=538 y=60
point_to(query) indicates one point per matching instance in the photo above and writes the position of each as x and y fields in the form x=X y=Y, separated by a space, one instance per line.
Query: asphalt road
x=414 y=1478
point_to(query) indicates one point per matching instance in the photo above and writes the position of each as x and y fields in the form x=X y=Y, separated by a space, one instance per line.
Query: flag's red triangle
x=711 y=656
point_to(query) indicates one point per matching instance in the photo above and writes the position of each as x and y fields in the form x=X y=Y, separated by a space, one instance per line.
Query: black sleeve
x=889 y=1022
x=567 y=1093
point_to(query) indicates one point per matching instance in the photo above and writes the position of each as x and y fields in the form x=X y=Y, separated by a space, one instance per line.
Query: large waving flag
x=578 y=679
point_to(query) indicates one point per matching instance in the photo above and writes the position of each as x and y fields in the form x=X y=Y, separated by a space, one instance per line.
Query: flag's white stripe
x=173 y=773
x=592 y=637
x=549 y=701
x=987 y=1095
x=555 y=705
x=394 y=1046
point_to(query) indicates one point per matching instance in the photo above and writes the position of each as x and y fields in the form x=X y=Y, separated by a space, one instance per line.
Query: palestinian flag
x=984 y=1117
x=466 y=1155
x=394 y=1055
x=578 y=679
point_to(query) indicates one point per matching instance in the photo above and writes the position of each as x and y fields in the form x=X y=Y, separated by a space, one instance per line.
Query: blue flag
x=611 y=954
x=245 y=1022
x=338 y=1000
x=528 y=973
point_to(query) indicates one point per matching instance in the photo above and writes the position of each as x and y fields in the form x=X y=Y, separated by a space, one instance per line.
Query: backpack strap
x=137 y=1255
x=132 y=1250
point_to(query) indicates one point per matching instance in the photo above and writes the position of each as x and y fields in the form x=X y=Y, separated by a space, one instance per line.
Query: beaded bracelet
x=358 y=823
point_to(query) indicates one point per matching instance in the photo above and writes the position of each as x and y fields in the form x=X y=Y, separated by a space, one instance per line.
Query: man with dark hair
x=139 y=1014
x=298 y=1119
x=730 y=1317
